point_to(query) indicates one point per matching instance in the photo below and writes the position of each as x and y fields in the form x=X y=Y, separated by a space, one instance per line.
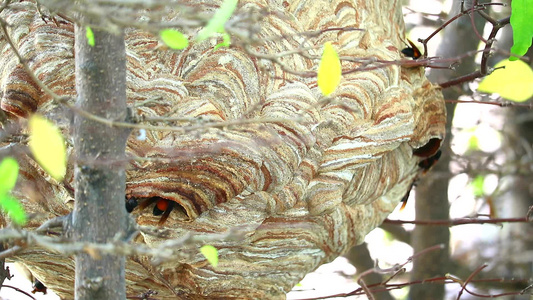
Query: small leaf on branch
x=226 y=41
x=9 y=171
x=13 y=207
x=174 y=39
x=219 y=19
x=513 y=82
x=89 y=34
x=48 y=146
x=329 y=70
x=211 y=254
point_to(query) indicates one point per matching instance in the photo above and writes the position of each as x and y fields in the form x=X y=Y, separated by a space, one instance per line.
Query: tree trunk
x=99 y=214
x=432 y=190
x=517 y=194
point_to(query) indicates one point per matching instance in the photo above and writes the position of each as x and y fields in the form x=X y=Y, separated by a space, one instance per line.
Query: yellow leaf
x=329 y=70
x=48 y=146
x=515 y=82
x=211 y=254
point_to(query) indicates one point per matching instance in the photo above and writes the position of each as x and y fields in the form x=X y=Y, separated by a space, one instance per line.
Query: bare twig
x=529 y=287
x=500 y=104
x=381 y=287
x=367 y=290
x=462 y=13
x=497 y=25
x=19 y=290
x=52 y=223
x=169 y=249
x=368 y=293
x=469 y=279
x=461 y=221
x=10 y=252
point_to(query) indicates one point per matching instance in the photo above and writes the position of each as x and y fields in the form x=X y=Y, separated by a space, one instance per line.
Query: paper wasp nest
x=300 y=185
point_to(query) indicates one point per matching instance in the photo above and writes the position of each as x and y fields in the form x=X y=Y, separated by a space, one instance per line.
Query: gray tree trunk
x=99 y=214
x=432 y=190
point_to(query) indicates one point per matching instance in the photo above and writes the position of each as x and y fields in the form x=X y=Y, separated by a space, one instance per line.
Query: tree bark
x=517 y=195
x=99 y=214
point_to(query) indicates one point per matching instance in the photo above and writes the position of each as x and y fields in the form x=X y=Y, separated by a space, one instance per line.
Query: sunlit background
x=474 y=126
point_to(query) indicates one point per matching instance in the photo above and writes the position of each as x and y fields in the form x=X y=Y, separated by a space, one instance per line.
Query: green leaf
x=211 y=254
x=13 y=207
x=48 y=146
x=226 y=41
x=515 y=82
x=9 y=171
x=216 y=24
x=473 y=143
x=477 y=185
x=89 y=34
x=522 y=24
x=329 y=71
x=174 y=39
x=388 y=237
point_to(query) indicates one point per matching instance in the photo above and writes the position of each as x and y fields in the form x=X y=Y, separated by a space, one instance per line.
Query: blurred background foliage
x=485 y=173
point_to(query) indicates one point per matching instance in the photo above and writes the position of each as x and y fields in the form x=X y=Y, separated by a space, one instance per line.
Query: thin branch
x=462 y=79
x=460 y=221
x=368 y=293
x=367 y=290
x=529 y=287
x=476 y=271
x=472 y=22
x=18 y=290
x=500 y=104
x=497 y=25
x=462 y=13
x=10 y=252
x=380 y=287
x=169 y=249
x=52 y=223
x=65 y=100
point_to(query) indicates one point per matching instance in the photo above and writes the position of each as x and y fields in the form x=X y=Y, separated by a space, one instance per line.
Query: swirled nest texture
x=302 y=178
